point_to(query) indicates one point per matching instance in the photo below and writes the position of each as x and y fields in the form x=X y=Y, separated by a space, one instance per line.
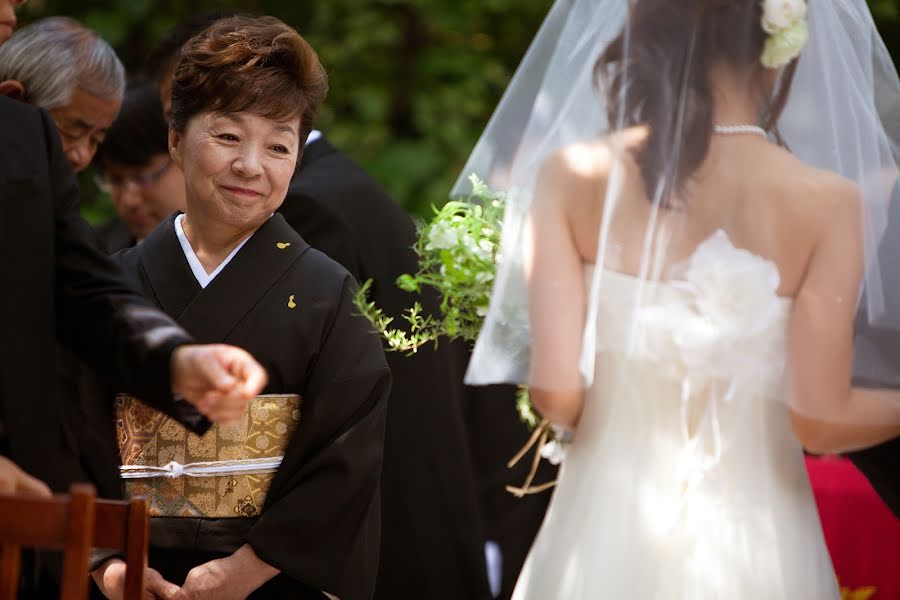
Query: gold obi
x=225 y=473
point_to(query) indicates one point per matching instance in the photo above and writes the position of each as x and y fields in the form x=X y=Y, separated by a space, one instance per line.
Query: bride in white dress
x=691 y=217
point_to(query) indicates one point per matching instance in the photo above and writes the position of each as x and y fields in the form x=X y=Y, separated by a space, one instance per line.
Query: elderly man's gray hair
x=54 y=55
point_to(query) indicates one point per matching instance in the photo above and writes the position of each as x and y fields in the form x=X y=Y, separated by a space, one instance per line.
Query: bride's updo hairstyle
x=254 y=64
x=656 y=73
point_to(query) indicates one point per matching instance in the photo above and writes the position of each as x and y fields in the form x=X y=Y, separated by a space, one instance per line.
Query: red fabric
x=862 y=534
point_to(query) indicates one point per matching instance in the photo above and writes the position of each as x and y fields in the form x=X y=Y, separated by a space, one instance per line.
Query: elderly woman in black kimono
x=245 y=95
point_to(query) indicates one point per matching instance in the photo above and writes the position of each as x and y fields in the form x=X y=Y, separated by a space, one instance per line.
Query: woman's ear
x=175 y=146
x=12 y=88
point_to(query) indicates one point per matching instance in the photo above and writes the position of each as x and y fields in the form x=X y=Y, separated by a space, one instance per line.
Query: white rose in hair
x=780 y=14
x=784 y=46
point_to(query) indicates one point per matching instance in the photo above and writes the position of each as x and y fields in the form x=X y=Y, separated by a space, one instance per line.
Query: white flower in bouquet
x=458 y=259
x=459 y=250
x=442 y=236
x=554 y=452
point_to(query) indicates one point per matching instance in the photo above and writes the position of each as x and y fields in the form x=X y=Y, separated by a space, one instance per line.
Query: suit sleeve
x=881 y=466
x=106 y=322
x=322 y=524
x=323 y=228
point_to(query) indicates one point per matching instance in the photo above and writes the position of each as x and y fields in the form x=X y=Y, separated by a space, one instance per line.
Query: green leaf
x=408 y=283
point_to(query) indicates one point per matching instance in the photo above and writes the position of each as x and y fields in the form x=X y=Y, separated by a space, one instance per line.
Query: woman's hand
x=231 y=578
x=110 y=578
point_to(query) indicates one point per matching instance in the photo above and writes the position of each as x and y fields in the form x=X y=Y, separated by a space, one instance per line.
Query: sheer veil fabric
x=630 y=92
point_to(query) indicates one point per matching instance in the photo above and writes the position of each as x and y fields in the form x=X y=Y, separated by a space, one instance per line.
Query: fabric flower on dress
x=718 y=328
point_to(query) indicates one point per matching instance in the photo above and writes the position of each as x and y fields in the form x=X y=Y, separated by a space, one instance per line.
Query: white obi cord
x=216 y=468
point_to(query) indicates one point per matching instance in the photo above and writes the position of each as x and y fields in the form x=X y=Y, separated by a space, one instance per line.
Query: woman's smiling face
x=237 y=166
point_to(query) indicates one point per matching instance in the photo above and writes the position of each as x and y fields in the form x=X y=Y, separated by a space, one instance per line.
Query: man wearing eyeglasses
x=68 y=70
x=134 y=167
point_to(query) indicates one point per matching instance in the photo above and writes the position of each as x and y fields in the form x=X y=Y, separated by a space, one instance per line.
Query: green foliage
x=457 y=253
x=527 y=414
x=413 y=82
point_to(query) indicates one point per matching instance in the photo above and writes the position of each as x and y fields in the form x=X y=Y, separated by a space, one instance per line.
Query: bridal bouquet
x=458 y=253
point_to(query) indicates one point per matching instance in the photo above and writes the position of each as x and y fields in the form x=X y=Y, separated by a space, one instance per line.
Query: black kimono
x=291 y=307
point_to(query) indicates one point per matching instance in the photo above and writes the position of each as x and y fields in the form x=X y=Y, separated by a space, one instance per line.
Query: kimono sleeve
x=322 y=521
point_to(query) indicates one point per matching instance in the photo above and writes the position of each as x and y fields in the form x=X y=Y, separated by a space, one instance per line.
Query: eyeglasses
x=114 y=184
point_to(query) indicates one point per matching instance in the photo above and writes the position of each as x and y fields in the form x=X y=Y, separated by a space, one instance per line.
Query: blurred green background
x=413 y=82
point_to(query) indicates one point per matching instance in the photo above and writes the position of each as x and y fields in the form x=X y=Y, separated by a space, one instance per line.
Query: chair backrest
x=60 y=523
x=74 y=524
x=125 y=526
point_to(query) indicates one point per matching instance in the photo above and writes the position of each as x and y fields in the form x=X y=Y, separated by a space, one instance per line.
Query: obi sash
x=225 y=473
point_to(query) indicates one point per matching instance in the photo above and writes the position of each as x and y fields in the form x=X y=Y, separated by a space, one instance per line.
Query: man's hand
x=232 y=578
x=219 y=380
x=110 y=578
x=14 y=480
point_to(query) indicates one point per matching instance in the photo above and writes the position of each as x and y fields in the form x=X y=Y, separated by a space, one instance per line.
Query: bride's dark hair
x=656 y=73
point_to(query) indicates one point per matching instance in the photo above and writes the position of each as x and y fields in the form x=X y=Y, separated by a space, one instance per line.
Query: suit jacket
x=877 y=362
x=114 y=236
x=432 y=537
x=495 y=435
x=58 y=285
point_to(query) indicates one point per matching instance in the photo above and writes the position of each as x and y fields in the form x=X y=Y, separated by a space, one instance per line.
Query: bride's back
x=768 y=202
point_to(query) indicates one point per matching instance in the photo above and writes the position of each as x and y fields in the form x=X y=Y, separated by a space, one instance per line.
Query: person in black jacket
x=134 y=167
x=58 y=285
x=432 y=534
x=877 y=365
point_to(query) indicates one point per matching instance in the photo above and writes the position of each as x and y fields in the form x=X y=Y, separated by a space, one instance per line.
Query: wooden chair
x=74 y=524
x=125 y=526
x=60 y=523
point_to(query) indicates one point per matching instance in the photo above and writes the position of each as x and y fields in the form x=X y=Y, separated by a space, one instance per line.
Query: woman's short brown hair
x=255 y=64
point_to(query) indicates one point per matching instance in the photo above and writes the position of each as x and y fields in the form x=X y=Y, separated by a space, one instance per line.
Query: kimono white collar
x=203 y=278
x=313 y=136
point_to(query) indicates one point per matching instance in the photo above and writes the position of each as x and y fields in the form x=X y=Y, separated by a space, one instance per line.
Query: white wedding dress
x=685 y=480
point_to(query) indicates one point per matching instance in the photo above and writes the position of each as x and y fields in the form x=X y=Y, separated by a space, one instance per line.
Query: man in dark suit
x=57 y=284
x=60 y=285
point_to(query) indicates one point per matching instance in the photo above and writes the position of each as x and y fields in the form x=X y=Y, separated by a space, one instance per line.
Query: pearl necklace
x=740 y=129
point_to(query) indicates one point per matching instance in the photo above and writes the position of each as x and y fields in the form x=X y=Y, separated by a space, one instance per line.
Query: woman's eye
x=228 y=137
x=281 y=149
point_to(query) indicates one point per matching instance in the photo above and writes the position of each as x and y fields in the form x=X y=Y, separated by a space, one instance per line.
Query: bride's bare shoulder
x=808 y=187
x=583 y=169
